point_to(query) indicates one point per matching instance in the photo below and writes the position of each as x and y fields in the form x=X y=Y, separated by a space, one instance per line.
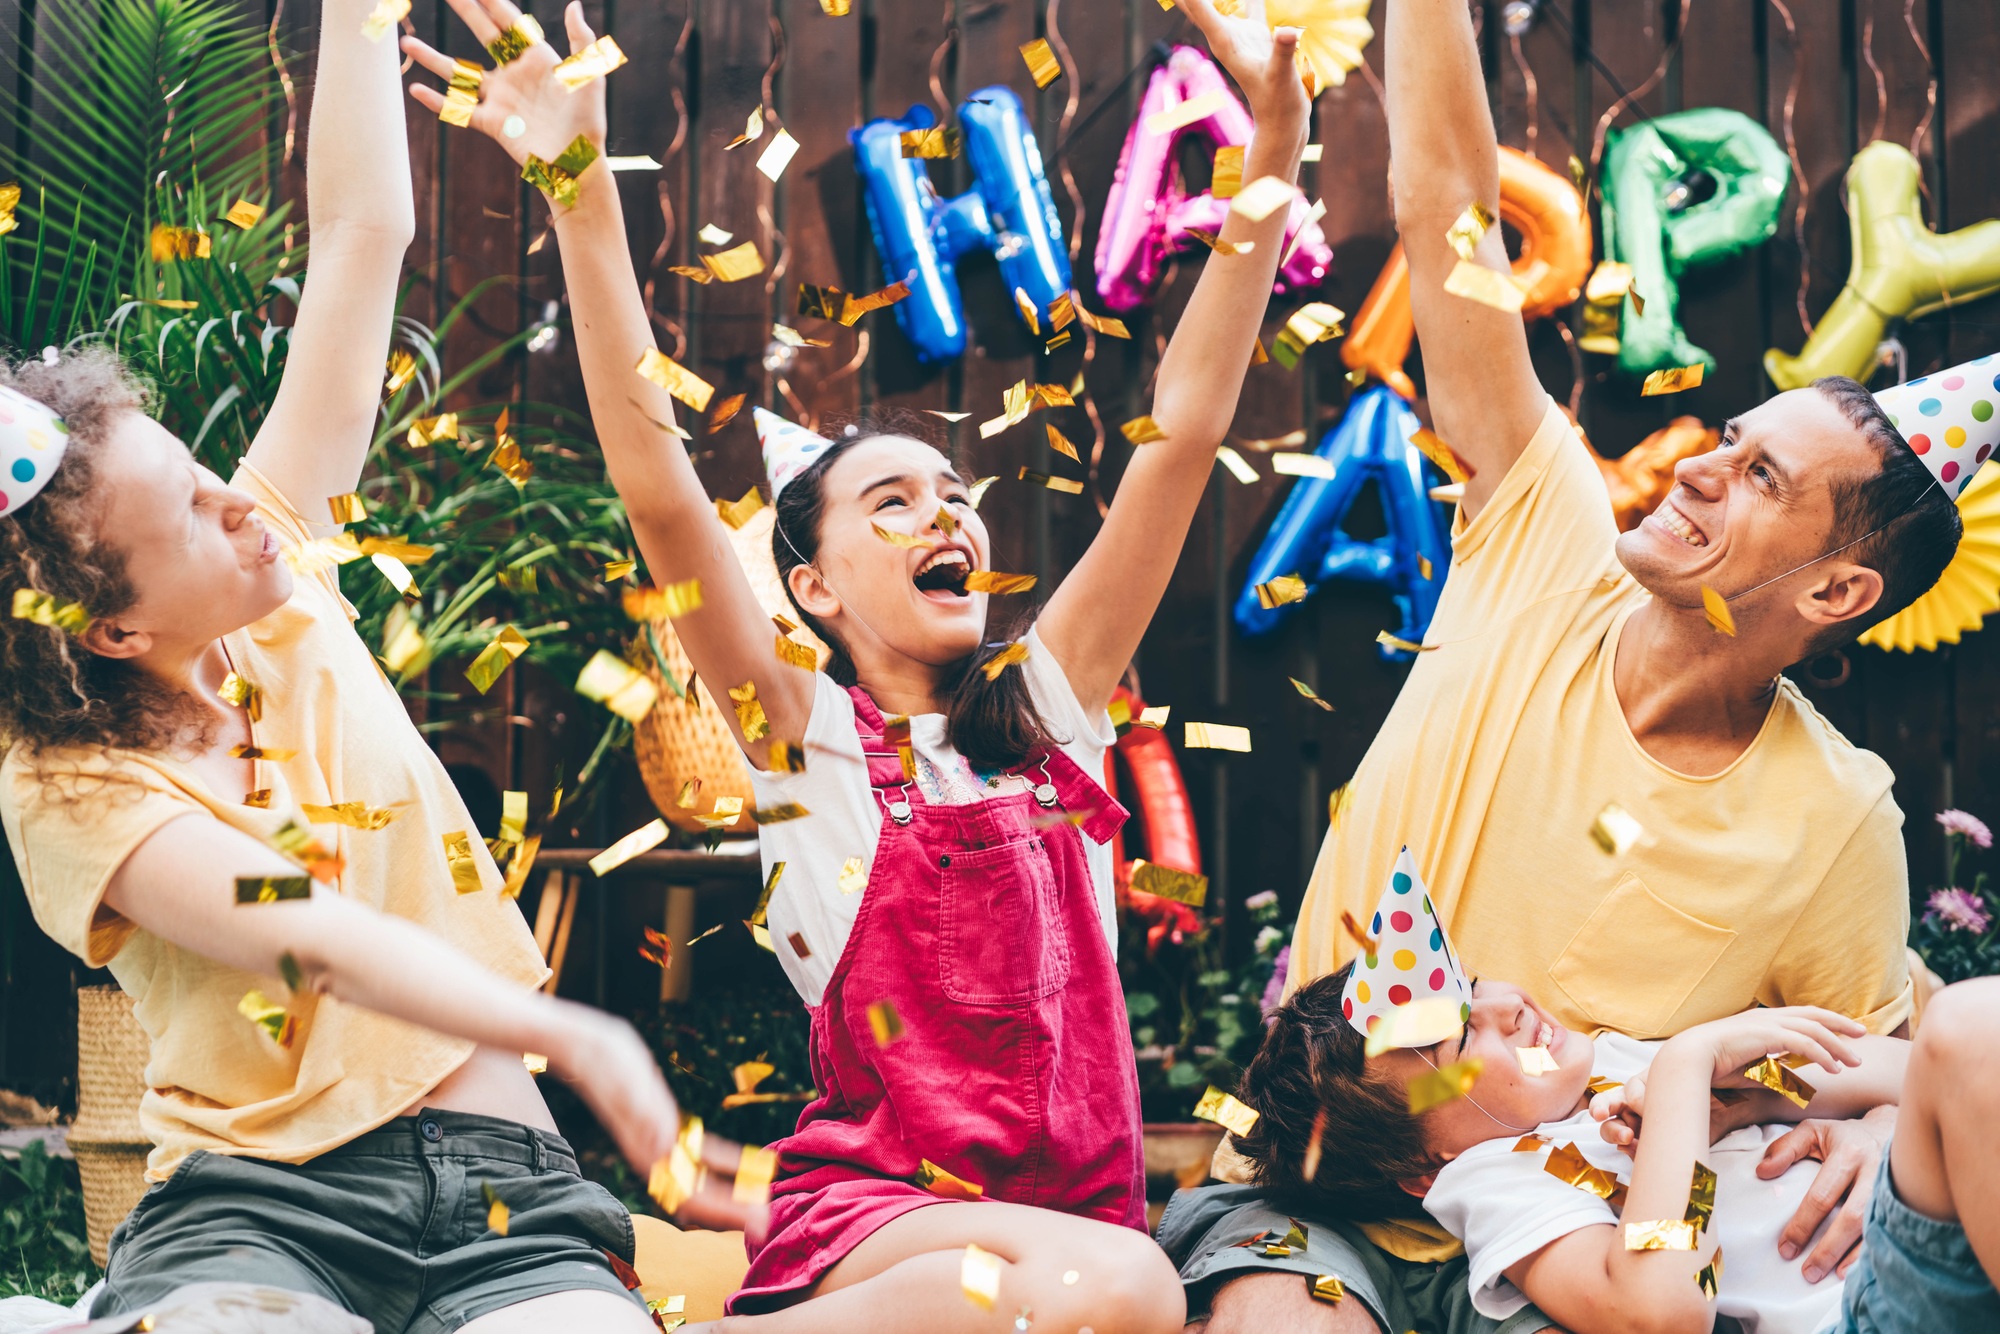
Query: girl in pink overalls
x=949 y=885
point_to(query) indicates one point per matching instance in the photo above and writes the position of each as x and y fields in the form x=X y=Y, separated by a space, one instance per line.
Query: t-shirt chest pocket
x=1000 y=935
x=1636 y=960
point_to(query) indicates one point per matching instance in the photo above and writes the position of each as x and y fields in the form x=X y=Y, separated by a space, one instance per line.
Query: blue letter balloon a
x=920 y=237
x=1371 y=444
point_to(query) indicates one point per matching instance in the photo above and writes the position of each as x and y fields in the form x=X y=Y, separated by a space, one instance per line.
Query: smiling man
x=1615 y=795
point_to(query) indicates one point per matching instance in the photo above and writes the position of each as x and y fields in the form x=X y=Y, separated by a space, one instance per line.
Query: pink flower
x=1274 y=990
x=1970 y=826
x=1959 y=909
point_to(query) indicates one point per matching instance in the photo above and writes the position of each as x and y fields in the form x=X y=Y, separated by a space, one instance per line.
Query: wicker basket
x=675 y=742
x=111 y=1054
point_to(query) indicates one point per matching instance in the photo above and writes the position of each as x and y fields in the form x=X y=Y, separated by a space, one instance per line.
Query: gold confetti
x=886 y=1023
x=1420 y=1023
x=397 y=573
x=738 y=512
x=1015 y=652
x=1142 y=431
x=461 y=99
x=386 y=15
x=1062 y=312
x=593 y=62
x=902 y=540
x=854 y=307
x=1187 y=113
x=744 y=261
x=176 y=243
x=979 y=1277
x=45 y=609
x=511 y=44
x=558 y=179
x=977 y=491
x=690 y=791
x=494 y=660
x=1228 y=177
x=1665 y=1234
x=1284 y=589
x=838 y=9
x=244 y=694
x=1060 y=443
x=1716 y=607
x=676 y=1177
x=988 y=581
x=727 y=811
x=427 y=431
x=1403 y=645
x=1531 y=1143
x=791 y=337
x=1599 y=1084
x=1216 y=736
x=1239 y=467
x=1313 y=215
x=1225 y=1111
x=1104 y=324
x=615 y=570
x=779 y=814
x=1779 y=1075
x=938 y=142
x=1313 y=153
x=244 y=214
x=1042 y=64
x=1309 y=1162
x=1302 y=465
x=1674 y=381
x=1309 y=693
x=618 y=686
x=1219 y=246
x=297 y=842
x=794 y=654
x=853 y=876
x=496 y=1210
x=1434 y=1088
x=778 y=155
x=653 y=604
x=520 y=865
x=275 y=754
x=1638 y=301
x=1710 y=1277
x=1488 y=287
x=702 y=275
x=458 y=855
x=1568 y=1165
x=1438 y=452
x=1314 y=322
x=643 y=839
x=277 y=1025
x=750 y=711
x=1615 y=829
x=754 y=1173
x=1263 y=197
x=353 y=814
x=1328 y=1288
x=1465 y=234
x=347 y=509
x=676 y=379
x=753 y=130
x=1424 y=566
x=1536 y=1061
x=1166 y=883
x=272 y=888
x=1701 y=1197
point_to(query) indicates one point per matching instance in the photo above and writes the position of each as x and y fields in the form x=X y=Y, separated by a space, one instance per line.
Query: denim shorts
x=391 y=1225
x=1202 y=1231
x=1916 y=1275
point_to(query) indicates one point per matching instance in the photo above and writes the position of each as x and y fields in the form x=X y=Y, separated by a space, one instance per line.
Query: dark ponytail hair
x=993 y=724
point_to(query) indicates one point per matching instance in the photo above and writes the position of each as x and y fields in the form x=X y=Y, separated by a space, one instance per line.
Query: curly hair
x=57 y=693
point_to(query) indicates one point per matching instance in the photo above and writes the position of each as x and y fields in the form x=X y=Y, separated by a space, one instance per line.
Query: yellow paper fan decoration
x=1335 y=32
x=1970 y=587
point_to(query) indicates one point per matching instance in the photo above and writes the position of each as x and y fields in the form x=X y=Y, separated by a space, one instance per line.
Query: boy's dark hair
x=1313 y=1069
x=992 y=723
x=1919 y=525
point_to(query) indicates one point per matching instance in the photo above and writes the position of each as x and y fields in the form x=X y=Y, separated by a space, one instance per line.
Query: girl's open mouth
x=944 y=572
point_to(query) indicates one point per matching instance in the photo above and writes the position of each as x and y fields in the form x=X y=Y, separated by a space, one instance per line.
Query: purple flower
x=1274 y=990
x=1970 y=826
x=1959 y=909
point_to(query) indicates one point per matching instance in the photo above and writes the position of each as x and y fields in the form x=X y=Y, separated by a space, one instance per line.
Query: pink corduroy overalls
x=980 y=927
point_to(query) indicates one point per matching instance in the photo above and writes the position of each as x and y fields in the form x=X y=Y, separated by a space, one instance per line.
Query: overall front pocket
x=1000 y=926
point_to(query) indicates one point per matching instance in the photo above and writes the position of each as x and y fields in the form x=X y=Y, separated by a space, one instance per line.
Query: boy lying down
x=1601 y=1179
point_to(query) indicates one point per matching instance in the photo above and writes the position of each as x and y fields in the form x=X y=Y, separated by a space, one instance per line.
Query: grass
x=42 y=1248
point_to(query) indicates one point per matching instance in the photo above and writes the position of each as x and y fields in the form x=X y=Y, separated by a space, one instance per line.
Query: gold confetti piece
x=297 y=842
x=1314 y=322
x=791 y=337
x=244 y=214
x=778 y=155
x=1042 y=64
x=458 y=855
x=744 y=261
x=618 y=686
x=1309 y=693
x=1779 y=1075
x=1284 y=589
x=1063 y=484
x=676 y=1177
x=261 y=799
x=1142 y=431
x=1216 y=736
x=1615 y=829
x=1638 y=302
x=353 y=814
x=838 y=9
x=1675 y=381
x=1263 y=197
x=854 y=307
x=177 y=243
x=1701 y=1197
x=259 y=1010
x=593 y=62
x=1015 y=652
x=1424 y=566
x=753 y=130
x=275 y=754
x=779 y=814
x=1666 y=1234
x=521 y=864
x=1239 y=467
x=1710 y=1277
x=497 y=1212
x=1227 y=180
x=1218 y=245
x=643 y=839
x=1354 y=931
x=754 y=1173
x=272 y=888
x=1536 y=1061
x=386 y=15
x=1403 y=645
x=1328 y=1288
x=427 y=431
x=1313 y=215
x=1716 y=607
x=1224 y=1110
x=727 y=412
x=939 y=142
x=1599 y=1084
x=347 y=509
x=1167 y=883
x=1465 y=234
x=794 y=654
x=886 y=1023
x=738 y=512
x=987 y=581
x=397 y=573
x=676 y=379
x=1154 y=717
x=615 y=570
x=244 y=694
x=1568 y=1165
x=1420 y=1023
x=558 y=179
x=1302 y=465
x=510 y=45
x=725 y=814
x=45 y=609
x=1439 y=453
x=1104 y=324
x=1531 y=1143
x=1487 y=287
x=750 y=711
x=1187 y=113
x=853 y=876
x=1029 y=314
x=1309 y=1162
x=901 y=540
x=1062 y=312
x=977 y=491
x=653 y=604
x=494 y=660
x=1017 y=404
x=701 y=275
x=459 y=103
x=979 y=1274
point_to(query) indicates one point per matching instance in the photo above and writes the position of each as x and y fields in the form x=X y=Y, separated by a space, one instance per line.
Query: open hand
x=1263 y=62
x=521 y=95
x=1821 y=1036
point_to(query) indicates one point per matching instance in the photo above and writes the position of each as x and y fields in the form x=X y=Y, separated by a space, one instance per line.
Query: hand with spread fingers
x=522 y=106
x=1262 y=60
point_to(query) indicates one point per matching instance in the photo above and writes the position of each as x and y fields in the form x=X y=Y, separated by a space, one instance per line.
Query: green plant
x=42 y=1248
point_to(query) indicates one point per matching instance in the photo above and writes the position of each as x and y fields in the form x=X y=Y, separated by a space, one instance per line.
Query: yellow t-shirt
x=1780 y=880
x=215 y=1081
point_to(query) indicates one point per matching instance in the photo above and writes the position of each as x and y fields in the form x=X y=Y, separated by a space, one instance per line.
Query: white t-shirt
x=1504 y=1206
x=845 y=820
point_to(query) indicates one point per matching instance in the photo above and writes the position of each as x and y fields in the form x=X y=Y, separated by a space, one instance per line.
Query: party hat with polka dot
x=32 y=441
x=1412 y=959
x=789 y=449
x=1951 y=419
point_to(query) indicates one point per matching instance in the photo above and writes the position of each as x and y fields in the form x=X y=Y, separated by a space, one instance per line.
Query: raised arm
x=729 y=640
x=1484 y=397
x=1094 y=622
x=361 y=219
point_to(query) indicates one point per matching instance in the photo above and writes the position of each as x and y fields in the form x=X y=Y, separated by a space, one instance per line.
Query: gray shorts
x=1916 y=1274
x=1201 y=1230
x=391 y=1226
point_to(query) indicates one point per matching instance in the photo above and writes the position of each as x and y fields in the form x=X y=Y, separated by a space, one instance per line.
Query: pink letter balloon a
x=1147 y=217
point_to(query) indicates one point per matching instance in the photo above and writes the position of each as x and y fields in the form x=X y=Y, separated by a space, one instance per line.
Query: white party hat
x=32 y=442
x=1951 y=419
x=1412 y=960
x=789 y=449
